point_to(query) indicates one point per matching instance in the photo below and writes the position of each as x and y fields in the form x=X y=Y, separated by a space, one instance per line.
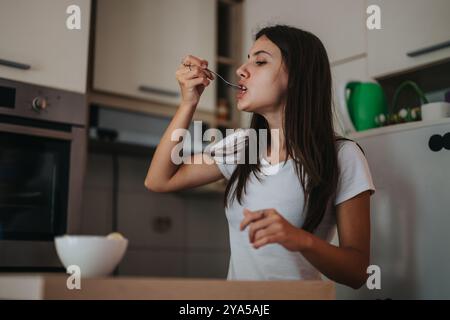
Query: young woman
x=281 y=224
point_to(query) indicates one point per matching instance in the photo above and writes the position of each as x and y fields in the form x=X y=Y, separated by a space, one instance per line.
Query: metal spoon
x=234 y=86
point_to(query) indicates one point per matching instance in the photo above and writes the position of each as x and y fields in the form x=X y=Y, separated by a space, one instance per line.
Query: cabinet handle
x=161 y=224
x=429 y=49
x=437 y=142
x=13 y=64
x=446 y=141
x=162 y=92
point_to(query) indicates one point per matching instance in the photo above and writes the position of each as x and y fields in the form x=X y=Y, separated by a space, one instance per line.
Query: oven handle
x=32 y=131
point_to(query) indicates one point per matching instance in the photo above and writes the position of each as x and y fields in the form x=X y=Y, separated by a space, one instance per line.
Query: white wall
x=340 y=25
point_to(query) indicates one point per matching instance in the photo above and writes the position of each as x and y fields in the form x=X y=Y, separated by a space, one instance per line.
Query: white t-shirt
x=280 y=188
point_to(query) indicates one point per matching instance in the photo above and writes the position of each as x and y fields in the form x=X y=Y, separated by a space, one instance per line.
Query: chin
x=242 y=106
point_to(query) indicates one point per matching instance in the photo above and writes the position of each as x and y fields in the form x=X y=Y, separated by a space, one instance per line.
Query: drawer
x=207 y=263
x=153 y=263
x=207 y=226
x=152 y=219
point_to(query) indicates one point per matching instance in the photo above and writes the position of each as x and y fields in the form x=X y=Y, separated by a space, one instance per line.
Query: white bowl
x=96 y=256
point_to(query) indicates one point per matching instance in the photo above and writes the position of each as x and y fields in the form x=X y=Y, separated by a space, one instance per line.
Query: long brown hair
x=308 y=123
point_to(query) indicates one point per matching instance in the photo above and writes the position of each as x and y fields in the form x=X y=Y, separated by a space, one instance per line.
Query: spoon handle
x=235 y=86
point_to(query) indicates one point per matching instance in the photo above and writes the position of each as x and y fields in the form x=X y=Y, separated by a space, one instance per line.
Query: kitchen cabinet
x=139 y=45
x=406 y=27
x=38 y=48
x=343 y=34
x=153 y=262
x=170 y=234
x=207 y=243
x=409 y=212
x=152 y=220
x=206 y=223
x=96 y=217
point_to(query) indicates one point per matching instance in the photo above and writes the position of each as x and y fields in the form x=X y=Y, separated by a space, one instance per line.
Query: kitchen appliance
x=42 y=163
x=361 y=103
x=410 y=212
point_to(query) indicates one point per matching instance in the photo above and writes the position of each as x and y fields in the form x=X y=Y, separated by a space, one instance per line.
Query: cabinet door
x=409 y=214
x=153 y=263
x=140 y=44
x=207 y=226
x=207 y=263
x=34 y=35
x=152 y=220
x=339 y=24
x=408 y=26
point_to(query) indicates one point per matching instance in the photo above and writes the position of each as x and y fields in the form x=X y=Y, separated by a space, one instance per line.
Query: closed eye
x=259 y=63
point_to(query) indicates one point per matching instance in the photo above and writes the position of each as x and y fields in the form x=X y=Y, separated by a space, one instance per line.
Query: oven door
x=41 y=173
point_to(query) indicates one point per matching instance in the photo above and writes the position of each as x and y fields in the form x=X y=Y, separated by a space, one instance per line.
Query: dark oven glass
x=34 y=175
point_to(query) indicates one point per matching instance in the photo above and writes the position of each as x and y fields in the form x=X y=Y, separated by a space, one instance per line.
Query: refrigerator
x=410 y=211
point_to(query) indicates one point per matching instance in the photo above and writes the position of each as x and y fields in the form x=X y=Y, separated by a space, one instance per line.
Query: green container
x=365 y=101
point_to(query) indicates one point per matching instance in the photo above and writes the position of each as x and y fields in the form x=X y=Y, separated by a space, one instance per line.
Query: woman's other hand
x=268 y=226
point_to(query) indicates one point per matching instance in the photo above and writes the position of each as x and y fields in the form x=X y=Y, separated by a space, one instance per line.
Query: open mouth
x=242 y=91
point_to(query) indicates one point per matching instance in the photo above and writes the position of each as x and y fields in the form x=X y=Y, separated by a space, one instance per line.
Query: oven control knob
x=39 y=104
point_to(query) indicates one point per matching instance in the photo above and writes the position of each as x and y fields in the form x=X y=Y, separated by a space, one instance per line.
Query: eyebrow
x=258 y=52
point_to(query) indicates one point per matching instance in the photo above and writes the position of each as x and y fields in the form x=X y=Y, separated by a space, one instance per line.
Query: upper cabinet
x=413 y=33
x=37 y=47
x=139 y=45
x=339 y=24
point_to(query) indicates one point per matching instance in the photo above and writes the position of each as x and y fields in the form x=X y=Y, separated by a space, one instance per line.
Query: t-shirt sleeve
x=355 y=176
x=228 y=152
x=226 y=169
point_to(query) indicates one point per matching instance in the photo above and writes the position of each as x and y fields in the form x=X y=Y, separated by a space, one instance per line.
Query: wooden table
x=54 y=286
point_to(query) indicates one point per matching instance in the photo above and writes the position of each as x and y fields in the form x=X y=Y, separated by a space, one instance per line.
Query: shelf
x=108 y=100
x=226 y=61
x=228 y=56
x=395 y=128
x=114 y=147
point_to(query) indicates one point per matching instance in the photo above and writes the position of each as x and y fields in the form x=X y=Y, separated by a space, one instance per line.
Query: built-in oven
x=42 y=162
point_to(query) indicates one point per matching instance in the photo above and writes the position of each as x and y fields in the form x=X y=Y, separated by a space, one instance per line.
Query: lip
x=241 y=94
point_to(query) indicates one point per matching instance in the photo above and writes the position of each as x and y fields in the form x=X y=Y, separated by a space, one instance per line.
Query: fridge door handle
x=446 y=140
x=437 y=142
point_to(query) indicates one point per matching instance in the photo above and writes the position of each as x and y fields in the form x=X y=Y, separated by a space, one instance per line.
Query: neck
x=275 y=121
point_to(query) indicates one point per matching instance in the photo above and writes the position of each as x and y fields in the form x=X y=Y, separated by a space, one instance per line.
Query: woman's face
x=265 y=77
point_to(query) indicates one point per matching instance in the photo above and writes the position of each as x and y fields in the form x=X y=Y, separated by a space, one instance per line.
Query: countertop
x=54 y=286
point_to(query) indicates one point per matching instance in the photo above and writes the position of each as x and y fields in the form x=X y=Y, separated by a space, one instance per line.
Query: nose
x=242 y=72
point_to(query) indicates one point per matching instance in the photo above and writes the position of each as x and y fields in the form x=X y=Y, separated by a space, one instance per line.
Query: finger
x=182 y=70
x=203 y=71
x=249 y=217
x=209 y=73
x=258 y=225
x=190 y=84
x=192 y=60
x=195 y=73
x=265 y=240
x=261 y=233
